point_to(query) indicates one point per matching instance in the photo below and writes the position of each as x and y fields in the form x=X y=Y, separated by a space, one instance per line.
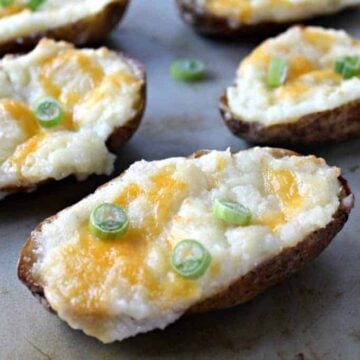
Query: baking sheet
x=315 y=315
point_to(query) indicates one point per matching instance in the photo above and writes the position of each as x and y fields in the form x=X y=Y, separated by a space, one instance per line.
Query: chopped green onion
x=108 y=222
x=187 y=70
x=34 y=4
x=190 y=259
x=48 y=112
x=277 y=72
x=232 y=212
x=5 y=3
x=348 y=66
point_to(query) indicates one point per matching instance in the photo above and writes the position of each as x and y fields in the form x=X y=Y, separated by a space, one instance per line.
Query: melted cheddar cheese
x=311 y=83
x=88 y=289
x=283 y=185
x=98 y=92
x=115 y=289
x=11 y=10
x=256 y=11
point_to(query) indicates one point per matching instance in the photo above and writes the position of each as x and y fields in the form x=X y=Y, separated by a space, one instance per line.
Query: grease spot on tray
x=353 y=168
x=356 y=336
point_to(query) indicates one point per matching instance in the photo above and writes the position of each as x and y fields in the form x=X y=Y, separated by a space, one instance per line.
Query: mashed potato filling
x=311 y=86
x=17 y=20
x=98 y=91
x=258 y=11
x=115 y=289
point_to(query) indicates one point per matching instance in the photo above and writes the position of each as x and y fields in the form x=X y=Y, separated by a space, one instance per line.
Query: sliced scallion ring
x=277 y=72
x=348 y=66
x=231 y=212
x=108 y=222
x=48 y=112
x=190 y=259
x=5 y=3
x=187 y=70
x=34 y=4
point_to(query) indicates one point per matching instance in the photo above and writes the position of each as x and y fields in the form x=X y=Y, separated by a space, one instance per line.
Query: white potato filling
x=311 y=86
x=50 y=15
x=114 y=306
x=100 y=92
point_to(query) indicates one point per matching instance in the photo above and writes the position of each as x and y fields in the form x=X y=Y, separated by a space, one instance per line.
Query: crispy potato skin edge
x=87 y=31
x=265 y=275
x=208 y=24
x=118 y=138
x=324 y=127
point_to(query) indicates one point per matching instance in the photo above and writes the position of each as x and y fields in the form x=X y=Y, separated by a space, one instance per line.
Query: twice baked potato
x=249 y=18
x=24 y=22
x=300 y=88
x=183 y=235
x=60 y=108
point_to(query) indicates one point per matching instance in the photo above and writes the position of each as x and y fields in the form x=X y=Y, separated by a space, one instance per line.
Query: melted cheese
x=255 y=11
x=283 y=185
x=115 y=289
x=311 y=84
x=87 y=84
x=21 y=114
x=11 y=10
x=22 y=152
x=55 y=73
x=19 y=21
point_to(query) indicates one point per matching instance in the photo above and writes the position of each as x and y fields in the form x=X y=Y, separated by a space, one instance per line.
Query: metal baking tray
x=315 y=315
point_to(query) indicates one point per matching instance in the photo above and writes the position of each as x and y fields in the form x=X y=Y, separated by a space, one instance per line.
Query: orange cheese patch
x=298 y=66
x=24 y=150
x=319 y=40
x=11 y=10
x=20 y=113
x=93 y=267
x=110 y=84
x=57 y=70
x=282 y=184
x=242 y=8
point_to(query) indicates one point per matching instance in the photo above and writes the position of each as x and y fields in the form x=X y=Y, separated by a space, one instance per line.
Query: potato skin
x=118 y=138
x=265 y=275
x=324 y=127
x=208 y=24
x=88 y=31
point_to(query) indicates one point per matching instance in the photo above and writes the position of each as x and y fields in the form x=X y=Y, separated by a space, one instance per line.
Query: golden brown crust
x=247 y=287
x=209 y=24
x=330 y=126
x=120 y=135
x=87 y=31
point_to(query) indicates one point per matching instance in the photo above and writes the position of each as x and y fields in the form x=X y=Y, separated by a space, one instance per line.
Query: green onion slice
x=190 y=259
x=48 y=112
x=34 y=4
x=5 y=3
x=348 y=66
x=108 y=222
x=277 y=72
x=187 y=70
x=231 y=212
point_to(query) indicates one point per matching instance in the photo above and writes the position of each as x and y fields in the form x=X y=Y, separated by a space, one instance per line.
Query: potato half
x=80 y=22
x=314 y=104
x=102 y=95
x=250 y=18
x=114 y=289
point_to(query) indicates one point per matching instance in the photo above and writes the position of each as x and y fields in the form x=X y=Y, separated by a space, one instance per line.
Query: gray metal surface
x=315 y=315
